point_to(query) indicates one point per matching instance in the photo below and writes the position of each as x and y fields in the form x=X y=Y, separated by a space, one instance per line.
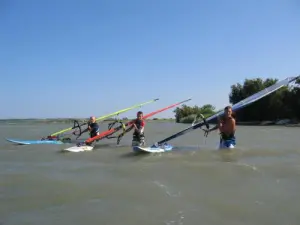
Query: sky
x=63 y=58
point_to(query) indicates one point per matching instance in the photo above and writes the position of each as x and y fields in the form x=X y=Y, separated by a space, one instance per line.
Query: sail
x=235 y=107
x=77 y=125
x=113 y=130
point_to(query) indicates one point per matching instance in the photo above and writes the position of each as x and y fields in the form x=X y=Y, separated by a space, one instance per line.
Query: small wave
x=248 y=165
x=177 y=222
x=168 y=191
x=251 y=167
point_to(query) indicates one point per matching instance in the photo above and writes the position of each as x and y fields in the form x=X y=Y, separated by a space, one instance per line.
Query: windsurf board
x=32 y=142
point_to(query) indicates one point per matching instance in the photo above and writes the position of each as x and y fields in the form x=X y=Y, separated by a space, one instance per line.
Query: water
x=256 y=183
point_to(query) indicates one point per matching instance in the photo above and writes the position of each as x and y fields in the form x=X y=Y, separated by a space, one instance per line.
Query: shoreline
x=71 y=120
x=265 y=124
x=81 y=120
x=268 y=125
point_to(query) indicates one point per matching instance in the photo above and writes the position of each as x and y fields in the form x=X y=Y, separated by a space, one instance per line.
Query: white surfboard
x=82 y=148
x=153 y=149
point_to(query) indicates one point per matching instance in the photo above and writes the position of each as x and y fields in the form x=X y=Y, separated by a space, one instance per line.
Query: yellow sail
x=108 y=115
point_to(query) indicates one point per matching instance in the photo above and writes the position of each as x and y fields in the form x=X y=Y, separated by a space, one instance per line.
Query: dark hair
x=227 y=107
x=139 y=113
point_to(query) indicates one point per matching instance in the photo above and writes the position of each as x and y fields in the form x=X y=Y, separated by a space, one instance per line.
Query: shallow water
x=256 y=183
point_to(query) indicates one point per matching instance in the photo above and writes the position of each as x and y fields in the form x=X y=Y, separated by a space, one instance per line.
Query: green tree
x=189 y=113
x=281 y=104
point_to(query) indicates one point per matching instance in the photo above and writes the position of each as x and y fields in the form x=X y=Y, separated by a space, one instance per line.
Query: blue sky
x=80 y=58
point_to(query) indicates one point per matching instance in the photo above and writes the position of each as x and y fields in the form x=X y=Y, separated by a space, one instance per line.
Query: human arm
x=217 y=126
x=141 y=129
x=214 y=128
x=130 y=128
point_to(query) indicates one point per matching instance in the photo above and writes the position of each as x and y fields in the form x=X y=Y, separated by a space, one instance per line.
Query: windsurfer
x=93 y=127
x=138 y=138
x=226 y=125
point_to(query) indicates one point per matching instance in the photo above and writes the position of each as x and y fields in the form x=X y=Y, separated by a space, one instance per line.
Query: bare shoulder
x=232 y=120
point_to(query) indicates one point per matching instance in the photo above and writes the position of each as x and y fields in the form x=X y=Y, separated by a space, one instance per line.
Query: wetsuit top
x=140 y=124
x=94 y=128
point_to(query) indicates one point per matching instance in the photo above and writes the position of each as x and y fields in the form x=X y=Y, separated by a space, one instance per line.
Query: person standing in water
x=139 y=127
x=227 y=126
x=93 y=127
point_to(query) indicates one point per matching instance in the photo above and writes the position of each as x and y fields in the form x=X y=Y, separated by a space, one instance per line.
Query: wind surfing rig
x=112 y=130
x=251 y=99
x=62 y=135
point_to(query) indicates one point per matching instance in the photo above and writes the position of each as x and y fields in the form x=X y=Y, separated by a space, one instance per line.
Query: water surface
x=256 y=183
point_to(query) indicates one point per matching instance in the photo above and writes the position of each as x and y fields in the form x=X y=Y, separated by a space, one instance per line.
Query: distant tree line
x=282 y=104
x=186 y=114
